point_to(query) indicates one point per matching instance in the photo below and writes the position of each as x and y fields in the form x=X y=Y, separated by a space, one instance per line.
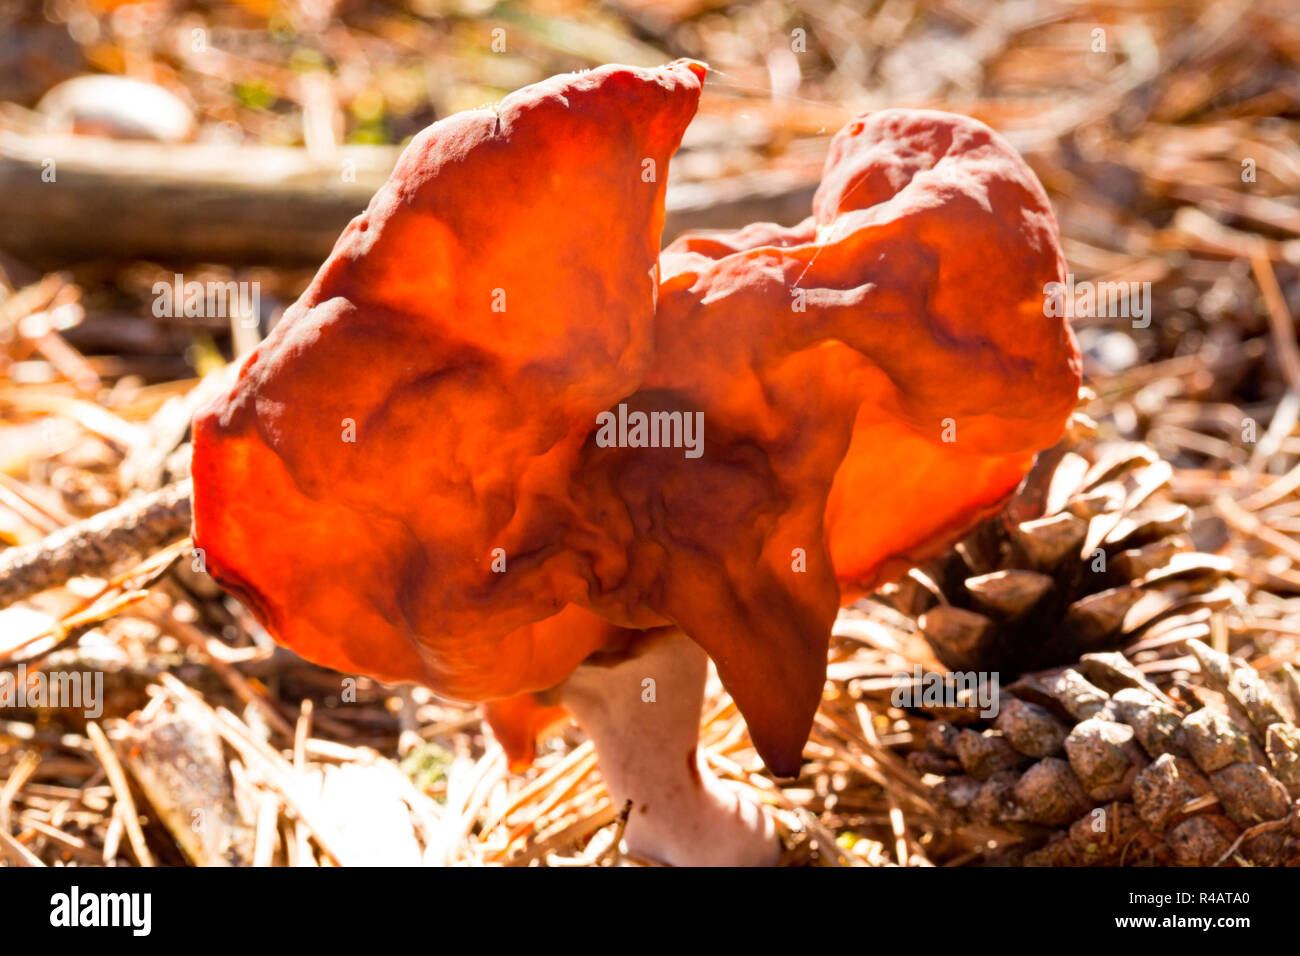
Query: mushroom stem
x=643 y=715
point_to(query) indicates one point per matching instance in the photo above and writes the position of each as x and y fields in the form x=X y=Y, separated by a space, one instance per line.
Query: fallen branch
x=205 y=201
x=122 y=535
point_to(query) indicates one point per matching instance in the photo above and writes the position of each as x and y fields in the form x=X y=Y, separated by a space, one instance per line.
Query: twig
x=1247 y=524
x=16 y=852
x=129 y=532
x=301 y=734
x=1273 y=493
x=69 y=630
x=117 y=779
x=1282 y=326
x=268 y=813
x=897 y=824
x=74 y=846
x=1268 y=826
x=22 y=773
x=243 y=688
x=1280 y=321
x=113 y=835
x=600 y=816
x=461 y=814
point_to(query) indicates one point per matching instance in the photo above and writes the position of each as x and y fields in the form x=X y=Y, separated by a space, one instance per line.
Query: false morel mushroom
x=414 y=477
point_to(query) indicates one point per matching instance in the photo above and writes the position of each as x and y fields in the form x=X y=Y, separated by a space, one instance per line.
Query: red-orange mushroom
x=388 y=483
x=889 y=366
x=412 y=477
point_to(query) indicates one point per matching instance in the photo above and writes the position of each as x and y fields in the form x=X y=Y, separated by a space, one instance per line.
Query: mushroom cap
x=416 y=417
x=829 y=363
x=914 y=300
x=890 y=368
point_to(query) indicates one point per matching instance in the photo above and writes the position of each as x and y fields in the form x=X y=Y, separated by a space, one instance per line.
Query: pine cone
x=1088 y=760
x=1099 y=766
x=1087 y=555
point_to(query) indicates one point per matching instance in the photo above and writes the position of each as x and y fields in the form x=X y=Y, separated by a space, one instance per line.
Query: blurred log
x=263 y=204
x=207 y=201
x=769 y=196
